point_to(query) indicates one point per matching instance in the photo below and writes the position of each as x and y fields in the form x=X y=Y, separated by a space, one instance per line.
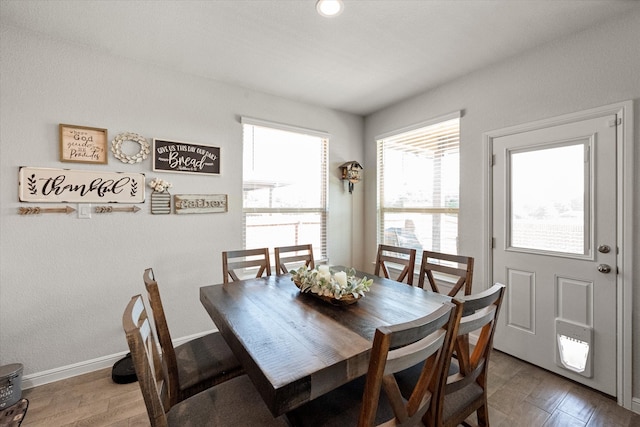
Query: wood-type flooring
x=520 y=395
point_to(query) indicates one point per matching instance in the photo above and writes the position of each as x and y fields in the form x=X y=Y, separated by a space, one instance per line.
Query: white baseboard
x=635 y=405
x=69 y=371
x=64 y=372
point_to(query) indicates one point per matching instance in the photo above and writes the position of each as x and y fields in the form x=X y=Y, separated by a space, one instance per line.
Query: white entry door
x=554 y=227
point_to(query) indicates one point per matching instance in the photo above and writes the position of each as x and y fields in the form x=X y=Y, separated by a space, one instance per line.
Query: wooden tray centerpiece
x=337 y=288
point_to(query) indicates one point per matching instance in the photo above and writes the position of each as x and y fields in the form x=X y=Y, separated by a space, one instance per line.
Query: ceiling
x=374 y=54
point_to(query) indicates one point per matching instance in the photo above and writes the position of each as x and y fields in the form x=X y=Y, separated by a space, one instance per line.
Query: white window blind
x=284 y=187
x=418 y=187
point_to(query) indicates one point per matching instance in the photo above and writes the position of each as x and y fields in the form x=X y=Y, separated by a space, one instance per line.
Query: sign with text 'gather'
x=74 y=186
x=200 y=203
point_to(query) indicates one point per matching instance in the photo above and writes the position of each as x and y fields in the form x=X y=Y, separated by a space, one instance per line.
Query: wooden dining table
x=296 y=347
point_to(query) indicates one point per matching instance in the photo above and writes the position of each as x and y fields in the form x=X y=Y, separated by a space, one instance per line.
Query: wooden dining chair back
x=289 y=256
x=379 y=401
x=232 y=261
x=396 y=348
x=233 y=403
x=151 y=372
x=465 y=390
x=394 y=255
x=195 y=365
x=458 y=268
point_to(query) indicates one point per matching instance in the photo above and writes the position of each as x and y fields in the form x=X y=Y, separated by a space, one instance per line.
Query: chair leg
x=483 y=415
x=429 y=418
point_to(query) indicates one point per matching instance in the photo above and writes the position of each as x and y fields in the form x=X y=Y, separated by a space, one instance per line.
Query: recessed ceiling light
x=329 y=8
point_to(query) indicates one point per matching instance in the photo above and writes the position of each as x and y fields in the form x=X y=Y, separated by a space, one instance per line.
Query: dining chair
x=466 y=391
x=296 y=255
x=458 y=268
x=389 y=255
x=245 y=258
x=362 y=402
x=463 y=388
x=232 y=403
x=195 y=365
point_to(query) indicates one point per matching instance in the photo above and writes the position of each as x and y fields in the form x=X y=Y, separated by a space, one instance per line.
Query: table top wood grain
x=295 y=346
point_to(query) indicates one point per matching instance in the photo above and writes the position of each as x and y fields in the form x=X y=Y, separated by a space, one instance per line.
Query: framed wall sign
x=200 y=203
x=175 y=156
x=74 y=186
x=83 y=144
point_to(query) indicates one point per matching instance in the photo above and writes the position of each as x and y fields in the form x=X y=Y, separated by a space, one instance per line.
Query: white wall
x=590 y=69
x=64 y=281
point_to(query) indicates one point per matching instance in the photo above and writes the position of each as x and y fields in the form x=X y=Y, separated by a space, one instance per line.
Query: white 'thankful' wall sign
x=73 y=186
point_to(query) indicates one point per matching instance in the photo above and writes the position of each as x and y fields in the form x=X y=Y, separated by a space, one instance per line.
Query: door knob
x=605 y=249
x=604 y=268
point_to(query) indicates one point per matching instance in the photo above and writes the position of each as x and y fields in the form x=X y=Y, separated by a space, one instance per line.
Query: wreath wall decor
x=116 y=147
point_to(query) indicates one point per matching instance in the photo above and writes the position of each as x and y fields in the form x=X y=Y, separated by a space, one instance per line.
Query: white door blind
x=284 y=188
x=418 y=187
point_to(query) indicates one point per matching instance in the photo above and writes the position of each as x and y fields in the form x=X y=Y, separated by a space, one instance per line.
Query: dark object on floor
x=14 y=414
x=123 y=371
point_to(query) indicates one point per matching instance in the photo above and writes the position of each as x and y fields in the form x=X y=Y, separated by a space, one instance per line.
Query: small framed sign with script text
x=83 y=144
x=175 y=156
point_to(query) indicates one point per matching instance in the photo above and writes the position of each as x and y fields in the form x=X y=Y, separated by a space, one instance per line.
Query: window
x=418 y=186
x=547 y=211
x=284 y=186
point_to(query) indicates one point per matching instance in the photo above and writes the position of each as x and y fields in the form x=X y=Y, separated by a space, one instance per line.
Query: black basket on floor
x=123 y=371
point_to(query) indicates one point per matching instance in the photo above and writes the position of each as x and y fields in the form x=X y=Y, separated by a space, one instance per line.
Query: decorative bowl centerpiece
x=338 y=288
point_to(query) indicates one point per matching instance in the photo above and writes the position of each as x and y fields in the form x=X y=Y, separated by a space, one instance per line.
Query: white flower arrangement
x=159 y=185
x=324 y=283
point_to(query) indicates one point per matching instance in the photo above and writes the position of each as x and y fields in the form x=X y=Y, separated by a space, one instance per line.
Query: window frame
x=320 y=253
x=382 y=209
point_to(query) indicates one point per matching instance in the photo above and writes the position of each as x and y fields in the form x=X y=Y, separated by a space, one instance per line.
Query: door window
x=549 y=199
